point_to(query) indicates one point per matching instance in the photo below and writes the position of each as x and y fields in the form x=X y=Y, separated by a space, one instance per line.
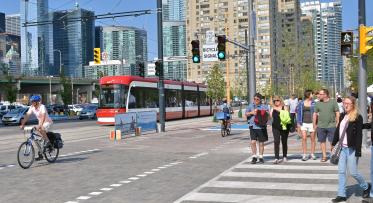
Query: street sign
x=210 y=37
x=209 y=52
x=346 y=38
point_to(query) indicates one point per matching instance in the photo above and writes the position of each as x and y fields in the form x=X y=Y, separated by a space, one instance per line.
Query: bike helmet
x=35 y=98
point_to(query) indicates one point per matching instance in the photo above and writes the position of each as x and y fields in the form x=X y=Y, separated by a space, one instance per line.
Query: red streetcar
x=120 y=94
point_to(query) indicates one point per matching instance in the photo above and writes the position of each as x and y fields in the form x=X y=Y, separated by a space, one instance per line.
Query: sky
x=149 y=22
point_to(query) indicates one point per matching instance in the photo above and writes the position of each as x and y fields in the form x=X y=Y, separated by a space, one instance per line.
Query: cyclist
x=44 y=121
x=226 y=109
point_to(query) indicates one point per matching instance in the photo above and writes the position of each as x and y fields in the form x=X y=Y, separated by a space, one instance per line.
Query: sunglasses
x=276 y=100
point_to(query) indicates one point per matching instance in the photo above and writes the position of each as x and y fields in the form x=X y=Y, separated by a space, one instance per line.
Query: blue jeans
x=371 y=170
x=348 y=159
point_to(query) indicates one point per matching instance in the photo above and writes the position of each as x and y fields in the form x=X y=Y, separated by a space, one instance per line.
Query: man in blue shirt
x=257 y=132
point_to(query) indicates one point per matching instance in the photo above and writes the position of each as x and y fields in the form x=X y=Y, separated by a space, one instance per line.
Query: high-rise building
x=74 y=39
x=12 y=24
x=327 y=26
x=223 y=17
x=174 y=39
x=287 y=38
x=2 y=22
x=128 y=44
x=35 y=53
x=10 y=47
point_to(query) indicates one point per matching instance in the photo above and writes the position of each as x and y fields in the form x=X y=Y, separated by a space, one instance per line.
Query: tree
x=66 y=90
x=354 y=73
x=216 y=84
x=10 y=90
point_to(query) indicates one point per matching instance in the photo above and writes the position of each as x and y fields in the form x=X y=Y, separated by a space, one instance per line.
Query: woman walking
x=305 y=111
x=351 y=123
x=280 y=131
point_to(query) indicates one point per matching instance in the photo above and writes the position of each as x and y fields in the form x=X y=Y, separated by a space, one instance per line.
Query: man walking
x=257 y=114
x=325 y=120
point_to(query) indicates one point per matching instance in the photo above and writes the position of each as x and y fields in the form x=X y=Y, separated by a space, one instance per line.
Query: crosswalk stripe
x=286 y=167
x=213 y=197
x=282 y=175
x=270 y=186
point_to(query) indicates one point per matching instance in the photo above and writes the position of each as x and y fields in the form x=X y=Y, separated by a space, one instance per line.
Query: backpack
x=226 y=109
x=285 y=119
x=261 y=118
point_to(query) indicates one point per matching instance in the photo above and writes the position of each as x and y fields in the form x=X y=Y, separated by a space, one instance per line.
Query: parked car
x=15 y=116
x=88 y=112
x=4 y=109
x=77 y=108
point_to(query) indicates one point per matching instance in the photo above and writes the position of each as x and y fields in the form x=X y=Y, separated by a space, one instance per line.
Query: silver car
x=15 y=116
x=88 y=112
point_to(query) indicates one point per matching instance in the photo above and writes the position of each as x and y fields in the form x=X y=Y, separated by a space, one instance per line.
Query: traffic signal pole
x=252 y=75
x=160 y=58
x=363 y=76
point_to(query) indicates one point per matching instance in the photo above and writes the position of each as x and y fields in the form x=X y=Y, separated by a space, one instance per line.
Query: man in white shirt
x=293 y=103
x=41 y=113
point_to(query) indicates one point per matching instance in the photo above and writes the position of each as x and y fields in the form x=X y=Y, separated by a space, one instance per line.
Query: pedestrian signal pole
x=160 y=58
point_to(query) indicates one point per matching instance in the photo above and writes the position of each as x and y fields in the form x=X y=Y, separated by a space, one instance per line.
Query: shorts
x=47 y=126
x=260 y=135
x=308 y=127
x=323 y=133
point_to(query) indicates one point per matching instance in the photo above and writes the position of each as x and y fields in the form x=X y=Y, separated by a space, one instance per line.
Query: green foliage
x=354 y=73
x=216 y=84
x=10 y=89
x=66 y=90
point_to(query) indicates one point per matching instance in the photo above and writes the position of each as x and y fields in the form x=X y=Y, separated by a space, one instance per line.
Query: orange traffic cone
x=112 y=135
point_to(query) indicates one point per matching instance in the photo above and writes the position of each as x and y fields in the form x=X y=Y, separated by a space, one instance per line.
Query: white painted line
x=168 y=165
x=115 y=185
x=106 y=189
x=162 y=167
x=125 y=181
x=83 y=197
x=142 y=175
x=155 y=169
x=201 y=154
x=192 y=157
x=71 y=202
x=289 y=167
x=149 y=172
x=95 y=193
x=216 y=197
x=174 y=163
x=133 y=178
x=282 y=175
x=10 y=166
x=271 y=186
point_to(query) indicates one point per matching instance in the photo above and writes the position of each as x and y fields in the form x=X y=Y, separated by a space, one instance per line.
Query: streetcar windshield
x=113 y=96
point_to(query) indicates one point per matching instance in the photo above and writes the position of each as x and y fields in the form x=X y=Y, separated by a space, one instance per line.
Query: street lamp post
x=50 y=88
x=60 y=59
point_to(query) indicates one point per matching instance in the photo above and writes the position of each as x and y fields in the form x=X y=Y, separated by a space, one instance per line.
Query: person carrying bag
x=349 y=135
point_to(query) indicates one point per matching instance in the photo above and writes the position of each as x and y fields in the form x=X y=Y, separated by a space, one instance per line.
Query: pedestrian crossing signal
x=347 y=43
x=97 y=55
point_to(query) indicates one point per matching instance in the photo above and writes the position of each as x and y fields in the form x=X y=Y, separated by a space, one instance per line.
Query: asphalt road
x=191 y=162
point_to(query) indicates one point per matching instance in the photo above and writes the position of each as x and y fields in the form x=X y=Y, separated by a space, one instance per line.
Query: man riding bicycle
x=226 y=109
x=44 y=121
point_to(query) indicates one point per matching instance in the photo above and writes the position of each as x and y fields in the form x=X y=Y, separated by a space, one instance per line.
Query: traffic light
x=141 y=69
x=221 y=47
x=347 y=43
x=158 y=68
x=366 y=39
x=195 y=51
x=97 y=55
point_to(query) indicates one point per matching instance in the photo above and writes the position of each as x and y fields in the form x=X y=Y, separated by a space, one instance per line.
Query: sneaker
x=313 y=156
x=253 y=161
x=304 y=158
x=339 y=199
x=284 y=159
x=276 y=161
x=367 y=191
x=261 y=160
x=40 y=157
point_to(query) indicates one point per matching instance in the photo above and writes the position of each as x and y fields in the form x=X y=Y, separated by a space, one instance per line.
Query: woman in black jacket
x=351 y=148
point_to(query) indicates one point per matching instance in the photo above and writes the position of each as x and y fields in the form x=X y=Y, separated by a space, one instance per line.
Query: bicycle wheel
x=222 y=130
x=26 y=155
x=51 y=154
x=228 y=129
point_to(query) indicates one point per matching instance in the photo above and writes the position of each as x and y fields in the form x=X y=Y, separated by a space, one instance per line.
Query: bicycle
x=225 y=127
x=26 y=149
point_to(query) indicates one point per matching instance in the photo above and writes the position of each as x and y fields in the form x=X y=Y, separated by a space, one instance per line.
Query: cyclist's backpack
x=226 y=109
x=261 y=118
